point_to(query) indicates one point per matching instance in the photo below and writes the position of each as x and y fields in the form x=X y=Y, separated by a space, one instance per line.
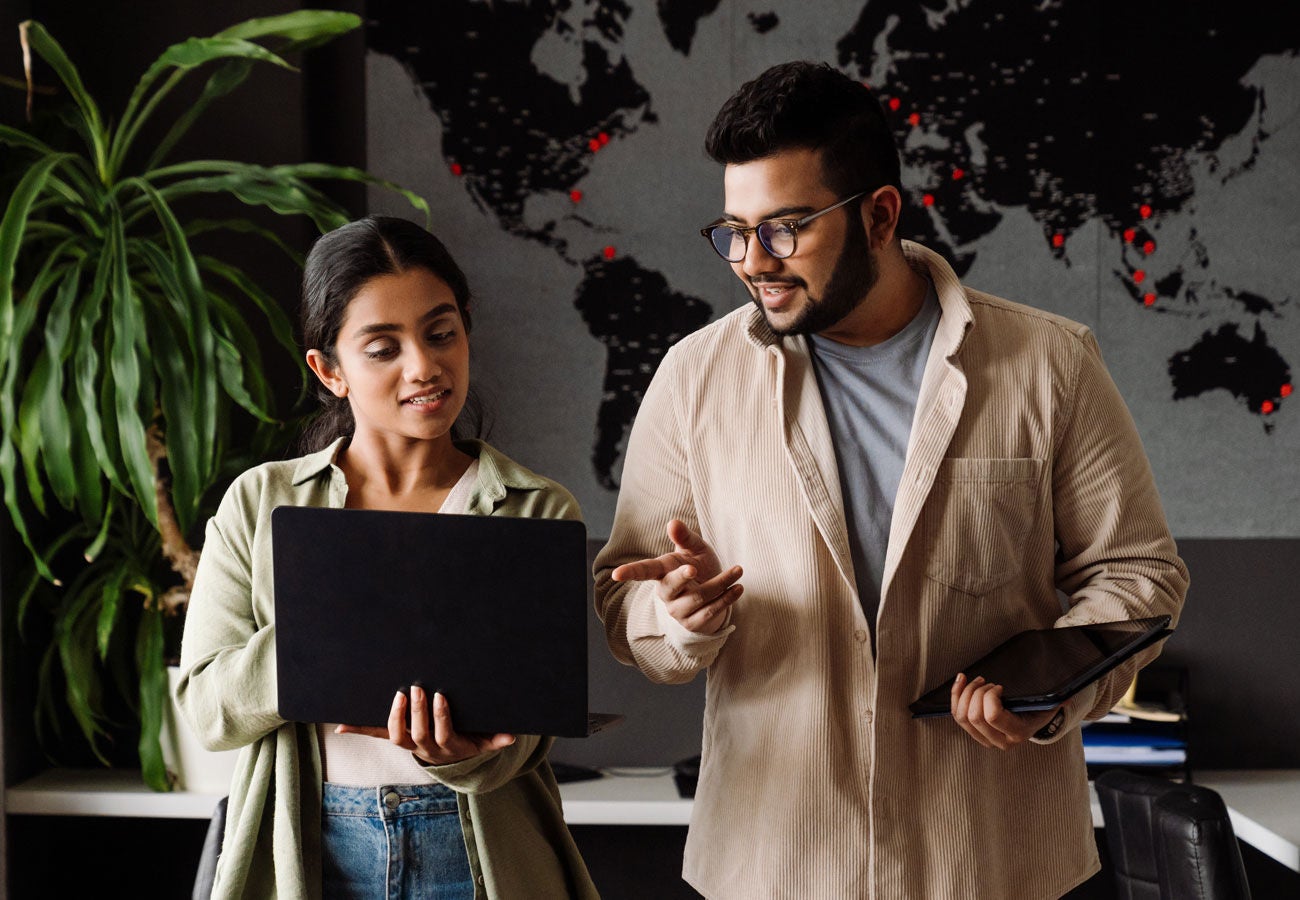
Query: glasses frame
x=793 y=224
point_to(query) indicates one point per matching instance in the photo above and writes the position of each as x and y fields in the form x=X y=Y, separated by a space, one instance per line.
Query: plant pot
x=190 y=766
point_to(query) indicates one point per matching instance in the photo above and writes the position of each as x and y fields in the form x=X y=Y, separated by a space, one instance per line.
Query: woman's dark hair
x=338 y=266
x=812 y=105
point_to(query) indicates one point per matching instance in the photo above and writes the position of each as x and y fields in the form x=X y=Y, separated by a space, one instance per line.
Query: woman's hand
x=437 y=746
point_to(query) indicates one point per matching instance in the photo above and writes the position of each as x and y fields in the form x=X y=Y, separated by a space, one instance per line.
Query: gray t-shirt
x=870 y=397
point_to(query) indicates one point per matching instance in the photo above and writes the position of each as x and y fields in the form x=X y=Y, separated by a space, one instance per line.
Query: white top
x=359 y=760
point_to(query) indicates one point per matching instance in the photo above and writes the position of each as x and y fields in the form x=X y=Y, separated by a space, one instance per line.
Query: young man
x=908 y=470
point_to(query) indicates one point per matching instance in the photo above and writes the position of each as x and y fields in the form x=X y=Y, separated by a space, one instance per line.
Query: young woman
x=328 y=809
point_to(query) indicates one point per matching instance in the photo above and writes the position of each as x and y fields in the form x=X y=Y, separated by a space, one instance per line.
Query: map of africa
x=1130 y=166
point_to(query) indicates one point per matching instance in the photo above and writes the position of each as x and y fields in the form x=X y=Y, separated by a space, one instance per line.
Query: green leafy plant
x=127 y=356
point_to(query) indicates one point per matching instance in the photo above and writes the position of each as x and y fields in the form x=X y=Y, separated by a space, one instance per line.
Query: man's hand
x=977 y=708
x=691 y=582
x=437 y=746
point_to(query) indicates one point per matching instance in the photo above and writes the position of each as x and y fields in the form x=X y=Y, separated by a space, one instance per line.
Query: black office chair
x=207 y=871
x=1169 y=841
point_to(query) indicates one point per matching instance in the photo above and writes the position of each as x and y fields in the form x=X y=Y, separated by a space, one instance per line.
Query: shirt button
x=391 y=799
x=868 y=717
x=860 y=636
x=479 y=879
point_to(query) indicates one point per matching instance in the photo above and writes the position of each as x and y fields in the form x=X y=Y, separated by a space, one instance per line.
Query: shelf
x=622 y=797
x=103 y=792
x=1264 y=804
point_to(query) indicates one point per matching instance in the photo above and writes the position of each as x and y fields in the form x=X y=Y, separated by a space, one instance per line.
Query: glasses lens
x=777 y=237
x=729 y=243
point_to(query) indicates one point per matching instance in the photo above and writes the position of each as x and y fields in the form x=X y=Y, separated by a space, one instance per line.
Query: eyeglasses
x=778 y=236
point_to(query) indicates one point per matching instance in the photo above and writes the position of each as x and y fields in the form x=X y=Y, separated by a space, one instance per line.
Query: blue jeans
x=392 y=842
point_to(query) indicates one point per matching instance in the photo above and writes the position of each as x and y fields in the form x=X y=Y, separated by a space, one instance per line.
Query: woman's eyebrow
x=441 y=309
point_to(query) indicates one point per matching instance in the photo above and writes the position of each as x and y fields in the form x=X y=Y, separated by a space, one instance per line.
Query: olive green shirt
x=510 y=812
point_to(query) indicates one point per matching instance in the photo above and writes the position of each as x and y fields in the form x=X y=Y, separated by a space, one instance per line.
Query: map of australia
x=1083 y=122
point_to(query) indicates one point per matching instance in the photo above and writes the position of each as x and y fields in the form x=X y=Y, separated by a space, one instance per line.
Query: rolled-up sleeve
x=656 y=489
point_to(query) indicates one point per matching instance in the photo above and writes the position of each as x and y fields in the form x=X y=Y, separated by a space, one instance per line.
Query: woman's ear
x=328 y=375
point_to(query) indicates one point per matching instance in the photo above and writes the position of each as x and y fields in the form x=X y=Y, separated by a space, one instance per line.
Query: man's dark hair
x=812 y=105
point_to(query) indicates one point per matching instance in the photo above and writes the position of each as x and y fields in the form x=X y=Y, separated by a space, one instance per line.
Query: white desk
x=1264 y=804
x=1265 y=808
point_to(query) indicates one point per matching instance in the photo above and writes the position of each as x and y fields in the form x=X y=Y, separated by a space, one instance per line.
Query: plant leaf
x=192 y=435
x=36 y=579
x=255 y=187
x=19 y=324
x=349 y=173
x=74 y=635
x=243 y=226
x=302 y=27
x=128 y=345
x=29 y=429
x=97 y=545
x=244 y=384
x=182 y=57
x=15 y=137
x=153 y=697
x=91 y=124
x=12 y=228
x=110 y=602
x=87 y=374
x=281 y=327
x=55 y=428
x=227 y=77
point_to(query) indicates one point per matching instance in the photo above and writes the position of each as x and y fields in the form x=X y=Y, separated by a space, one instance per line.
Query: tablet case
x=491 y=611
x=1042 y=668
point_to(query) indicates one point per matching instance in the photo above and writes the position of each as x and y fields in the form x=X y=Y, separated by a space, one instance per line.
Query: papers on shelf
x=1107 y=746
x=1165 y=756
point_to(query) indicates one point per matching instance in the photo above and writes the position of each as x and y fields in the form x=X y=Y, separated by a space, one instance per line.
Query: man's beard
x=853 y=276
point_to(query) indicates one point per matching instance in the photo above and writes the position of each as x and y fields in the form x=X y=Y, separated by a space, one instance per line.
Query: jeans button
x=391 y=799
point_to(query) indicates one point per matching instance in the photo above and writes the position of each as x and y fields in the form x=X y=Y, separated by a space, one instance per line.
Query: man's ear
x=880 y=213
x=328 y=375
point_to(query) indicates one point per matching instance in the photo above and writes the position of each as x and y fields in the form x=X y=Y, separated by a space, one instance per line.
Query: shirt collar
x=497 y=472
x=313 y=464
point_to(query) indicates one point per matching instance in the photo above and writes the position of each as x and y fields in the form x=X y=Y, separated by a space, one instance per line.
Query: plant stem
x=183 y=558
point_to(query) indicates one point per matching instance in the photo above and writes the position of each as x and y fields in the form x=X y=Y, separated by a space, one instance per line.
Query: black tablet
x=1044 y=667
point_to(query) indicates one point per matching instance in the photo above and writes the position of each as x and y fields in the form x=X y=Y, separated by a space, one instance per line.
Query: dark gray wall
x=1240 y=639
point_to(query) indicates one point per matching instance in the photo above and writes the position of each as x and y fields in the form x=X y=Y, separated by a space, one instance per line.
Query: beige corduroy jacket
x=1024 y=475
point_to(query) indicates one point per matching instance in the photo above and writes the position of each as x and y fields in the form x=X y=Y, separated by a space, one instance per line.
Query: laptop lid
x=491 y=611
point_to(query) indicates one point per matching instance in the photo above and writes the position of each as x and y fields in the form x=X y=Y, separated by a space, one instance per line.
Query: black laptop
x=490 y=611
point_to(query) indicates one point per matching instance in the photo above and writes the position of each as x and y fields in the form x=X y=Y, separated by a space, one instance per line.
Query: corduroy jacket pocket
x=976 y=519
